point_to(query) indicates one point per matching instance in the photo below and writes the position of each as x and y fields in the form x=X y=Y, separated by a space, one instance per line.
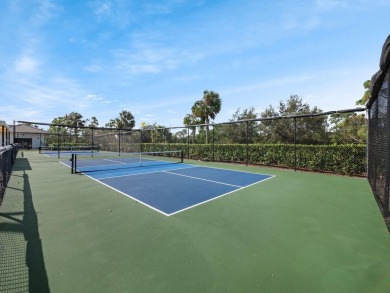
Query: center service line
x=197 y=178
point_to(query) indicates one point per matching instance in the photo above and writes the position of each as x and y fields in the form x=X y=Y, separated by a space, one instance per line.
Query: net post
x=75 y=163
x=181 y=156
x=72 y=159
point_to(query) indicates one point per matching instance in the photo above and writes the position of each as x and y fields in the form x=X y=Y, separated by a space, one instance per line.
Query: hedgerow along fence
x=321 y=142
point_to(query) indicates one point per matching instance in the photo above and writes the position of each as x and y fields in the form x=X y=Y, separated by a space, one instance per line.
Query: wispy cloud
x=151 y=58
x=26 y=64
x=93 y=68
x=103 y=8
x=267 y=84
x=330 y=4
x=118 y=13
x=98 y=99
x=45 y=11
x=302 y=24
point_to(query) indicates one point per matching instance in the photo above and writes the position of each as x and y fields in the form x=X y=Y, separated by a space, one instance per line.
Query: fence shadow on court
x=20 y=242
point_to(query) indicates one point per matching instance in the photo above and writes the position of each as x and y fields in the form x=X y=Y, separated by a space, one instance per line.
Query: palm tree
x=125 y=120
x=207 y=108
x=191 y=119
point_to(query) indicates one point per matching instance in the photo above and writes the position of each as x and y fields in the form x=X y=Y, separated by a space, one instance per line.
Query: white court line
x=143 y=173
x=129 y=196
x=234 y=170
x=219 y=196
x=112 y=161
x=197 y=178
x=189 y=207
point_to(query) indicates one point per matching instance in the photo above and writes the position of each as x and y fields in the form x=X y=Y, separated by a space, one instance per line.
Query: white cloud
x=103 y=9
x=93 y=68
x=45 y=11
x=266 y=84
x=302 y=24
x=26 y=64
x=329 y=4
x=118 y=13
x=98 y=99
x=94 y=97
x=144 y=57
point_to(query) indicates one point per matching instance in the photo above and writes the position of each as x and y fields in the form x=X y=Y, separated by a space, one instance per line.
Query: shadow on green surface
x=22 y=164
x=14 y=248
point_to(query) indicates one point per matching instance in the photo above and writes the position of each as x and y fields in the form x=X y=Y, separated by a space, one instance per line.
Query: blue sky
x=155 y=58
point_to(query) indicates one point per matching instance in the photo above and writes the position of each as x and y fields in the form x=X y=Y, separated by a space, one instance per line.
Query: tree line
x=347 y=128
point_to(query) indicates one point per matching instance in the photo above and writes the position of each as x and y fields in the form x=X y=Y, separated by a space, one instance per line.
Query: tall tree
x=125 y=120
x=348 y=128
x=207 y=108
x=309 y=130
x=237 y=132
x=351 y=127
x=75 y=120
x=191 y=119
x=367 y=94
x=154 y=133
x=93 y=122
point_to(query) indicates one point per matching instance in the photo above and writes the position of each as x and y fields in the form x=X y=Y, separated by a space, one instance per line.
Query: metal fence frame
x=378 y=153
x=7 y=159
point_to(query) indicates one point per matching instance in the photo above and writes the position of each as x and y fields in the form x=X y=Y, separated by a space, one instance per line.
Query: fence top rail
x=265 y=119
x=81 y=127
x=210 y=124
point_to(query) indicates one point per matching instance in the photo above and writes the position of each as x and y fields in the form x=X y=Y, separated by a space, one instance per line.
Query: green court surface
x=297 y=232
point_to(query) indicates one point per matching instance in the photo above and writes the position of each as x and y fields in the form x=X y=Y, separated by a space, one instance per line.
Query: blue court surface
x=173 y=188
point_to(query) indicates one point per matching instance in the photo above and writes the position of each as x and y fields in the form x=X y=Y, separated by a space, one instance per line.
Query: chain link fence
x=379 y=134
x=7 y=159
x=331 y=142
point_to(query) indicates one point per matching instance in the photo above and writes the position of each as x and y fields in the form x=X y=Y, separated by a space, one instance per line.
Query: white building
x=29 y=137
x=5 y=134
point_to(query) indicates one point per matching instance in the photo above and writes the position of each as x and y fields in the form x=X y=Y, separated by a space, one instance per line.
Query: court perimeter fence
x=379 y=133
x=329 y=142
x=7 y=159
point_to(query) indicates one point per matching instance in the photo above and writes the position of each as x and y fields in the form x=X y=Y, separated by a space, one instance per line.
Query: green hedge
x=338 y=159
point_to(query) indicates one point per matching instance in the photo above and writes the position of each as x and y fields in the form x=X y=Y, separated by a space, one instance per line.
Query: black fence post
x=213 y=144
x=188 y=143
x=386 y=203
x=247 y=142
x=295 y=144
x=58 y=142
x=92 y=142
x=119 y=140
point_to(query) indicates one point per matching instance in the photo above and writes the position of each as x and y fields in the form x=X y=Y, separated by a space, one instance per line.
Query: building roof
x=24 y=128
x=3 y=123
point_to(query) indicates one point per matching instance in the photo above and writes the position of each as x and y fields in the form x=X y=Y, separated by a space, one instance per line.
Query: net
x=68 y=149
x=105 y=161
